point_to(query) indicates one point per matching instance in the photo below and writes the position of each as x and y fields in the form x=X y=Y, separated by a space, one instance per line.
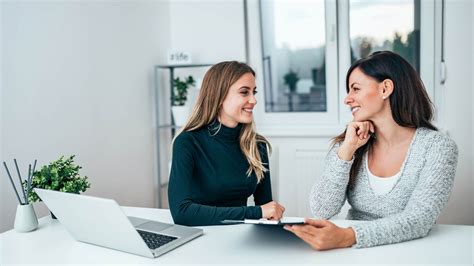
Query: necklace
x=211 y=128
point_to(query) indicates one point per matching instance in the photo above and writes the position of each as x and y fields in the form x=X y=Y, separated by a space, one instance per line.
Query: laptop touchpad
x=154 y=226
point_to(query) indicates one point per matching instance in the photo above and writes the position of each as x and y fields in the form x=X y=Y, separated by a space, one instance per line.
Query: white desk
x=236 y=244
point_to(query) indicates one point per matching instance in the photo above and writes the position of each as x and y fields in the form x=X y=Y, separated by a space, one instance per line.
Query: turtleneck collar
x=218 y=130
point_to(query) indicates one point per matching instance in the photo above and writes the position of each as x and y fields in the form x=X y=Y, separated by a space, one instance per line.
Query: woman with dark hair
x=391 y=164
x=218 y=158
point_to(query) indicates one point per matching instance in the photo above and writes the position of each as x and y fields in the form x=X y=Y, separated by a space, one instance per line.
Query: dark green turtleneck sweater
x=208 y=181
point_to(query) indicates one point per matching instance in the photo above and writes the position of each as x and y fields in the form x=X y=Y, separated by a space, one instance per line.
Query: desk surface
x=236 y=244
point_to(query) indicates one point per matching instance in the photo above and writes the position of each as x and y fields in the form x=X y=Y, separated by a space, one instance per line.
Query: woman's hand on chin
x=357 y=135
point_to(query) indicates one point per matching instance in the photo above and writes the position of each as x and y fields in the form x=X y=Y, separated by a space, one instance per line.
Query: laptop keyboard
x=154 y=240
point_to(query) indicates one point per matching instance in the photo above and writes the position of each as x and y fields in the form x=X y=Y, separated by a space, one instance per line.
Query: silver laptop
x=102 y=222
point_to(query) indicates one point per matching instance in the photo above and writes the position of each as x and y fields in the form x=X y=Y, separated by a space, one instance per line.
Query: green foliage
x=60 y=175
x=291 y=78
x=407 y=49
x=181 y=90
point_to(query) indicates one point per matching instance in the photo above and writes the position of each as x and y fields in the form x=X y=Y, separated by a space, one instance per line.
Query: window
x=390 y=25
x=293 y=47
x=302 y=49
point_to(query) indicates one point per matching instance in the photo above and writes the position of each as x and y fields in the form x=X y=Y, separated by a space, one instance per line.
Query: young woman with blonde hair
x=218 y=158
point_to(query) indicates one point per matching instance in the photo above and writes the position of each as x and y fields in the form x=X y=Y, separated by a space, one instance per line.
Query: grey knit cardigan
x=409 y=210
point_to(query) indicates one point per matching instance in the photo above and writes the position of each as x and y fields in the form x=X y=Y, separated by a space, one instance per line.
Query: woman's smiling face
x=239 y=102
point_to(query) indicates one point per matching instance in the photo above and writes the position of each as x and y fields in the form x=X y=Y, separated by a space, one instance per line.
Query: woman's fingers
x=301 y=234
x=275 y=211
x=309 y=238
x=308 y=229
x=276 y=216
x=372 y=128
x=364 y=129
x=361 y=129
x=357 y=135
x=281 y=210
x=317 y=223
x=367 y=129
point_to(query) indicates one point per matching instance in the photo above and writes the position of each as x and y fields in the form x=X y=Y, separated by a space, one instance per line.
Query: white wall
x=457 y=108
x=77 y=79
x=211 y=30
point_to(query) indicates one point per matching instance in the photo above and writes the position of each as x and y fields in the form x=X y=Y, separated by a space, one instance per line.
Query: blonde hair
x=214 y=89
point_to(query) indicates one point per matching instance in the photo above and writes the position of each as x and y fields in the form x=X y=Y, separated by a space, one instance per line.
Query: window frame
x=331 y=123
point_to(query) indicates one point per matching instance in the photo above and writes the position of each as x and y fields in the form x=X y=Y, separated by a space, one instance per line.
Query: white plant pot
x=25 y=219
x=180 y=114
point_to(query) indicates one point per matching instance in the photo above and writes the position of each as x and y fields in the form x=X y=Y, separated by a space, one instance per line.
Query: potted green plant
x=60 y=175
x=180 y=95
x=291 y=78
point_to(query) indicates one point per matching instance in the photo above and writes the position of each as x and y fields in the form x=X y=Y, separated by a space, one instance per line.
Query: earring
x=383 y=97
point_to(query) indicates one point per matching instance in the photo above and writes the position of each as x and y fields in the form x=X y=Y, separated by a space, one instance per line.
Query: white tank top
x=380 y=185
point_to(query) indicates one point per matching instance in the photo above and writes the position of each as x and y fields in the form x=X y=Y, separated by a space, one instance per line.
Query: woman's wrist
x=349 y=237
x=345 y=153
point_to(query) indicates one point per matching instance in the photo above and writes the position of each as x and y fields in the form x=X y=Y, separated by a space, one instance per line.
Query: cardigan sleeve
x=184 y=209
x=328 y=193
x=429 y=197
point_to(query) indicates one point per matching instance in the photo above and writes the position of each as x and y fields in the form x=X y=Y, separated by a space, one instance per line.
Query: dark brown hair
x=409 y=101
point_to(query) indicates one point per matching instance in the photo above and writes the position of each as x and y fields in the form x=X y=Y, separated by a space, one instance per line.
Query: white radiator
x=298 y=168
